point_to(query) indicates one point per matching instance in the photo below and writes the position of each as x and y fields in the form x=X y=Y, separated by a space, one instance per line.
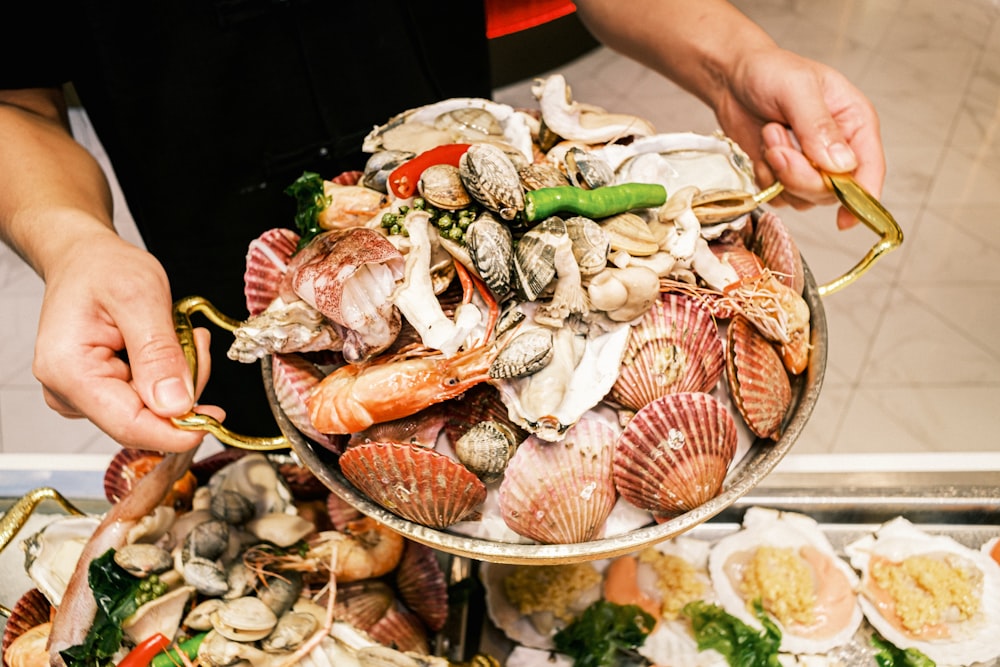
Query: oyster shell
x=51 y=554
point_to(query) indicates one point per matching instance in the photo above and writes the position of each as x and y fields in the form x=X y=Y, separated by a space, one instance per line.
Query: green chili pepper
x=597 y=203
x=172 y=658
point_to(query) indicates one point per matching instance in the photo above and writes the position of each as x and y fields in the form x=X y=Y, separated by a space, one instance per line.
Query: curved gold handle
x=15 y=518
x=192 y=421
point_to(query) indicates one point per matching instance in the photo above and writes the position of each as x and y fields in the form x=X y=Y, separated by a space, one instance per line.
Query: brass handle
x=15 y=518
x=192 y=421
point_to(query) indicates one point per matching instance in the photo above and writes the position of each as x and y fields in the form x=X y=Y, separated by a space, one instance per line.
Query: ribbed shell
x=341 y=512
x=491 y=248
x=418 y=484
x=128 y=465
x=363 y=603
x=294 y=377
x=758 y=381
x=421 y=584
x=674 y=454
x=561 y=492
x=267 y=259
x=402 y=630
x=31 y=610
x=674 y=348
x=774 y=244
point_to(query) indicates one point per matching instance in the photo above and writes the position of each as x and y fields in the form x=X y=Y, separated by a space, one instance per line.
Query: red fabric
x=504 y=17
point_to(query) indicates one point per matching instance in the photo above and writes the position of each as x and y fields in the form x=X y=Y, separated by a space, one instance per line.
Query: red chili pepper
x=403 y=179
x=144 y=651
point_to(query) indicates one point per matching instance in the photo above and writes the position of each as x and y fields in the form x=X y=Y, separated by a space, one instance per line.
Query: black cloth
x=210 y=109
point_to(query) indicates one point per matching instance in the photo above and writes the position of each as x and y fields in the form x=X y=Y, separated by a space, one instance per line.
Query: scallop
x=561 y=492
x=129 y=465
x=363 y=603
x=675 y=347
x=30 y=611
x=774 y=244
x=401 y=629
x=422 y=586
x=952 y=593
x=267 y=260
x=490 y=176
x=785 y=560
x=674 y=453
x=758 y=381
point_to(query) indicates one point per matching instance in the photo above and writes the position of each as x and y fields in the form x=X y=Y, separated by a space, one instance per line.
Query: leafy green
x=889 y=655
x=311 y=198
x=605 y=634
x=740 y=644
x=116 y=592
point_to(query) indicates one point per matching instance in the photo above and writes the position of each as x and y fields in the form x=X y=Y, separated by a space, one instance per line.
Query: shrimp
x=353 y=397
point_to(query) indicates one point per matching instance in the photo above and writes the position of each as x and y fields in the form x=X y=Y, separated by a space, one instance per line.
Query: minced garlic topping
x=927 y=590
x=552 y=588
x=783 y=582
x=677 y=581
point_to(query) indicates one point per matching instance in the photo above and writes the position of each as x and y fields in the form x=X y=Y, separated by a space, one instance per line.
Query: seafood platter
x=533 y=334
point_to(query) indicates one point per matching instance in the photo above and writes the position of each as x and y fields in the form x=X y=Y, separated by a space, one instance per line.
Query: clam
x=208 y=540
x=757 y=378
x=587 y=170
x=591 y=244
x=469 y=124
x=534 y=257
x=441 y=186
x=491 y=178
x=231 y=507
x=541 y=175
x=491 y=249
x=291 y=632
x=142 y=560
x=254 y=477
x=486 y=448
x=380 y=165
x=207 y=576
x=245 y=619
x=527 y=352
x=674 y=453
x=630 y=233
x=281 y=529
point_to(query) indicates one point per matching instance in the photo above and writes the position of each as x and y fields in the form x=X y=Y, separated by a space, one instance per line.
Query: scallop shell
x=127 y=466
x=774 y=244
x=674 y=348
x=402 y=630
x=419 y=484
x=363 y=603
x=491 y=178
x=294 y=377
x=422 y=586
x=674 y=454
x=31 y=610
x=758 y=381
x=341 y=512
x=561 y=492
x=267 y=260
x=630 y=233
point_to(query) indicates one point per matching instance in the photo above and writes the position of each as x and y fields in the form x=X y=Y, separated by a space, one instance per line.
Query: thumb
x=160 y=371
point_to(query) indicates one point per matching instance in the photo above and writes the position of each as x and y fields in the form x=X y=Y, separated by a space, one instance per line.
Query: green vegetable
x=605 y=634
x=741 y=645
x=890 y=655
x=597 y=203
x=172 y=658
x=311 y=198
x=117 y=595
x=450 y=224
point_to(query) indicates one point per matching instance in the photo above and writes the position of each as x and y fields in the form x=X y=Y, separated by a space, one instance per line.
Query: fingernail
x=842 y=157
x=172 y=395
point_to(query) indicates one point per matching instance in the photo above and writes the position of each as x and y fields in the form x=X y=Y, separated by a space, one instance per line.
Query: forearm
x=698 y=44
x=53 y=194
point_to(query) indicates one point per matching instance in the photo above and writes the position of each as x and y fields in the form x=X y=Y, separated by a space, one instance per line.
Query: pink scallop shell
x=294 y=378
x=31 y=610
x=758 y=381
x=267 y=261
x=341 y=512
x=128 y=465
x=347 y=177
x=363 y=603
x=417 y=483
x=422 y=586
x=774 y=244
x=674 y=454
x=402 y=630
x=561 y=492
x=675 y=347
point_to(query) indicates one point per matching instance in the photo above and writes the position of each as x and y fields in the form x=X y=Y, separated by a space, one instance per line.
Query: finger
x=202 y=340
x=160 y=372
x=818 y=132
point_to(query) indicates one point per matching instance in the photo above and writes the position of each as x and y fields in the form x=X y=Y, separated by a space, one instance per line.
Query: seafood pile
x=535 y=325
x=898 y=587
x=241 y=558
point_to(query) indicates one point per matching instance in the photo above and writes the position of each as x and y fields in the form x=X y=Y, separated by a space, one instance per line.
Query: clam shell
x=267 y=260
x=363 y=603
x=402 y=630
x=674 y=453
x=419 y=484
x=127 y=466
x=527 y=353
x=31 y=610
x=480 y=404
x=591 y=244
x=774 y=244
x=758 y=381
x=534 y=257
x=674 y=348
x=561 y=492
x=294 y=377
x=630 y=233
x=422 y=586
x=441 y=186
x=490 y=176
x=491 y=249
x=541 y=175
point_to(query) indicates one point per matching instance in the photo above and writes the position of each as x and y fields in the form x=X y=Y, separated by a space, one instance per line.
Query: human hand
x=796 y=117
x=105 y=298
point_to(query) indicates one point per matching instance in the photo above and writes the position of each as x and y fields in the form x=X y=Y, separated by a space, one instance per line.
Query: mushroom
x=624 y=294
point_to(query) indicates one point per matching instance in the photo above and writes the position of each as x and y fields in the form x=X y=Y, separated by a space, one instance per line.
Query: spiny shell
x=419 y=484
x=422 y=586
x=441 y=186
x=757 y=378
x=674 y=453
x=31 y=610
x=401 y=629
x=294 y=377
x=674 y=348
x=267 y=260
x=534 y=257
x=561 y=492
x=127 y=466
x=491 y=248
x=491 y=178
x=591 y=244
x=630 y=233
x=774 y=244
x=363 y=603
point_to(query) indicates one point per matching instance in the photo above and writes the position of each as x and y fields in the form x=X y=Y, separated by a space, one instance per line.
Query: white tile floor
x=914 y=357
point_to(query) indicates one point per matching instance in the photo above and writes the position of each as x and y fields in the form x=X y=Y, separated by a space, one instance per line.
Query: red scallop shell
x=363 y=603
x=674 y=454
x=31 y=610
x=422 y=586
x=417 y=483
x=129 y=465
x=341 y=512
x=758 y=381
x=561 y=492
x=347 y=177
x=774 y=244
x=294 y=377
x=675 y=347
x=402 y=630
x=267 y=261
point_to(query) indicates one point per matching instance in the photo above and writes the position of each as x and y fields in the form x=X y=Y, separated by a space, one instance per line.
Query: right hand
x=106 y=298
